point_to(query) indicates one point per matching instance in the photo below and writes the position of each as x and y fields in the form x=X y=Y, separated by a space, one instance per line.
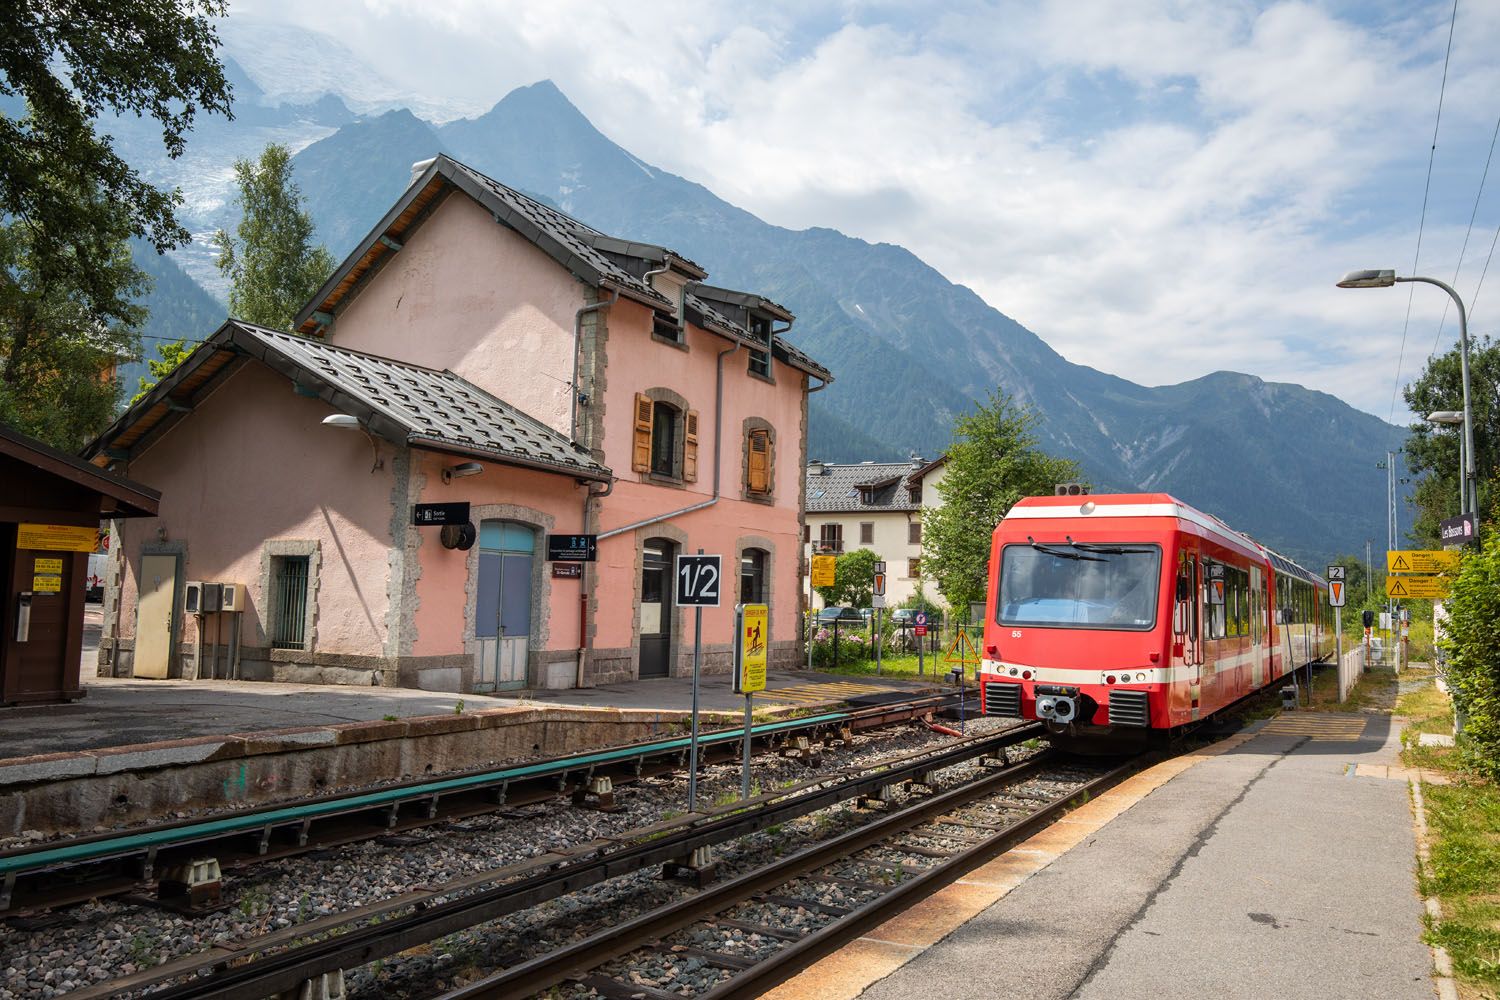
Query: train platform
x=1277 y=863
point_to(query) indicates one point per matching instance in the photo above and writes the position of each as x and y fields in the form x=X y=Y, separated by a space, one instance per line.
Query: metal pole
x=921 y=656
x=876 y=637
x=739 y=670
x=1338 y=640
x=693 y=740
x=1470 y=483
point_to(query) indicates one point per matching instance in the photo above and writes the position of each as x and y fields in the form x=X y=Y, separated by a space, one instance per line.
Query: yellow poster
x=51 y=567
x=1417 y=586
x=56 y=537
x=753 y=641
x=46 y=584
x=822 y=570
x=1421 y=561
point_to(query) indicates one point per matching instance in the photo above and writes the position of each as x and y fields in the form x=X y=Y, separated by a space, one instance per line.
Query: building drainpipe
x=577 y=350
x=583 y=583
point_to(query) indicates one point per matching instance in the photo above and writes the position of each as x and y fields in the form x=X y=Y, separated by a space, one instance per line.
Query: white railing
x=1350 y=667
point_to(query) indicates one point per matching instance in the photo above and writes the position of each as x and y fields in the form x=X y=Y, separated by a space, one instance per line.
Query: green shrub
x=1473 y=647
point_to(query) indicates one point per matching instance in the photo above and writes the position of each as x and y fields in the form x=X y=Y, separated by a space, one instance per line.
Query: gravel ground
x=102 y=940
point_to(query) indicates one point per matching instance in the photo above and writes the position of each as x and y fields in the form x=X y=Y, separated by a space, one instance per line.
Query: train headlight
x=1140 y=677
x=1013 y=671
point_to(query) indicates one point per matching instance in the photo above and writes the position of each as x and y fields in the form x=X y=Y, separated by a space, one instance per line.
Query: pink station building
x=477 y=347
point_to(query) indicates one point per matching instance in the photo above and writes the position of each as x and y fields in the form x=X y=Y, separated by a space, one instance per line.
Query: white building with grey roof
x=876 y=506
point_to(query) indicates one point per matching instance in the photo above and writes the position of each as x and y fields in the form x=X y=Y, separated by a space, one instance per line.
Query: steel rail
x=95 y=865
x=351 y=940
x=540 y=973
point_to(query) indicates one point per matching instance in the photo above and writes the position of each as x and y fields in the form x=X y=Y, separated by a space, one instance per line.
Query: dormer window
x=914 y=494
x=666 y=328
x=760 y=360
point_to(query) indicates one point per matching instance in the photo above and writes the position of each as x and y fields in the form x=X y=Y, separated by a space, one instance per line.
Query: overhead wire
x=1422 y=221
x=1467 y=233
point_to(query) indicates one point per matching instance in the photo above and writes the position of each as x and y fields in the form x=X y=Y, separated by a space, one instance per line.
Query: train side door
x=1257 y=628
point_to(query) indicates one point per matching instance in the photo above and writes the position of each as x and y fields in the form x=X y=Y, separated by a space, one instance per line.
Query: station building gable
x=557 y=379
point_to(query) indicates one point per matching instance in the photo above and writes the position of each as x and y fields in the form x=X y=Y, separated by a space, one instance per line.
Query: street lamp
x=1453 y=417
x=1387 y=278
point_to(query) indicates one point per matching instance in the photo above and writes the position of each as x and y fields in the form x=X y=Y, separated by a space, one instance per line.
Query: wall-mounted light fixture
x=461 y=471
x=353 y=423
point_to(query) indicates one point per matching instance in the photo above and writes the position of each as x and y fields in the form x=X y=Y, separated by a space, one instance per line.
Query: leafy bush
x=1473 y=647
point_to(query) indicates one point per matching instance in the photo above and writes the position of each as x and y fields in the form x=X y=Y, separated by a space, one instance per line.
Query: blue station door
x=502 y=607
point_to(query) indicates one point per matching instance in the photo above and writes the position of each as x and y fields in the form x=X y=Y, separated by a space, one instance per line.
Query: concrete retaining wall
x=79 y=792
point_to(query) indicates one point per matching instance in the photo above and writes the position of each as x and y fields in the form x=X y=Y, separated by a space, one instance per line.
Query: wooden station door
x=40 y=659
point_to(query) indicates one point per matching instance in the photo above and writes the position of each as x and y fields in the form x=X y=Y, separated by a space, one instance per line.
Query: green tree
x=1473 y=645
x=273 y=266
x=59 y=344
x=1432 y=451
x=992 y=463
x=71 y=61
x=853 y=580
x=169 y=356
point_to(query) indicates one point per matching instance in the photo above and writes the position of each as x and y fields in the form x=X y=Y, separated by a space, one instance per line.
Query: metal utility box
x=192 y=597
x=231 y=597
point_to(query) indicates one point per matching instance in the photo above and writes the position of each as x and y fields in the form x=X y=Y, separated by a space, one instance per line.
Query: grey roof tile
x=836 y=490
x=433 y=407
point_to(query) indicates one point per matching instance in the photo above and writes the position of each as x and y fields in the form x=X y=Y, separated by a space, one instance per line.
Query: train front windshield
x=1079 y=585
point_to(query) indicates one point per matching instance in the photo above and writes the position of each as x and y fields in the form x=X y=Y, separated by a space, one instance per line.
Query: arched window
x=753 y=576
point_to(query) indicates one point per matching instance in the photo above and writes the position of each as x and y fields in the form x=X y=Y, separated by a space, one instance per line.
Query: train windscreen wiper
x=1062 y=553
x=1113 y=550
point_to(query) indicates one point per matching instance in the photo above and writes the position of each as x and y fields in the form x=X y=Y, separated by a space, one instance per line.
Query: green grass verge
x=904 y=667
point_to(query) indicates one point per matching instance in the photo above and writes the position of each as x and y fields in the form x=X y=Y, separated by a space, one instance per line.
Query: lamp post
x=1454 y=417
x=1387 y=278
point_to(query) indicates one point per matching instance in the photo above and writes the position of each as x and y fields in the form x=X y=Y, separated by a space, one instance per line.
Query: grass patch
x=904 y=666
x=1464 y=874
x=1463 y=822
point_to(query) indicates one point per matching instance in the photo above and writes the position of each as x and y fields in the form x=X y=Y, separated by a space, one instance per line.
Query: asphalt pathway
x=1270 y=871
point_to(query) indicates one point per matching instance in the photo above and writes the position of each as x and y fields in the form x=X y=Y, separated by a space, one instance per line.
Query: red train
x=1116 y=615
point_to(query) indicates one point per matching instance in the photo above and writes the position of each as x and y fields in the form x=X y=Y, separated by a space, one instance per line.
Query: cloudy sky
x=1159 y=189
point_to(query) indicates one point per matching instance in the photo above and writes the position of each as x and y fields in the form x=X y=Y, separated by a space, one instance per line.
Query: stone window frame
x=768 y=546
x=746 y=426
x=270 y=551
x=661 y=394
x=677 y=662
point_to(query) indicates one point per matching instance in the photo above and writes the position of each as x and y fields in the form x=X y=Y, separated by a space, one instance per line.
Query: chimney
x=815 y=468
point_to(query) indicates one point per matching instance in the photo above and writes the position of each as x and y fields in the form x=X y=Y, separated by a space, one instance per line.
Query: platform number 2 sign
x=698 y=580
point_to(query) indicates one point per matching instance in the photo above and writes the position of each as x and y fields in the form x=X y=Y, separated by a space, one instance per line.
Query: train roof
x=1154 y=505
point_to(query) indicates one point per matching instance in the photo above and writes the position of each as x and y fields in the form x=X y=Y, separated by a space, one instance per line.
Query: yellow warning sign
x=46 y=584
x=49 y=566
x=57 y=537
x=822 y=570
x=1421 y=561
x=1417 y=586
x=962 y=649
x=752 y=672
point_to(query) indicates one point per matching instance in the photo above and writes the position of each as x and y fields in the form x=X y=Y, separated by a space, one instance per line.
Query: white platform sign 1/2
x=699 y=581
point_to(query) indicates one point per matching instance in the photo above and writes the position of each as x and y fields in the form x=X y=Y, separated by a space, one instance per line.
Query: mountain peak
x=543 y=98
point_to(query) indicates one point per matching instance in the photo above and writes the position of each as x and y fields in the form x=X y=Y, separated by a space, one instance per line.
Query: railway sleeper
x=732 y=962
x=613 y=989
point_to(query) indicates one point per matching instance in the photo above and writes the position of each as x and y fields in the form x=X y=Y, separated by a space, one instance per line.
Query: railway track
x=59 y=873
x=740 y=938
x=284 y=960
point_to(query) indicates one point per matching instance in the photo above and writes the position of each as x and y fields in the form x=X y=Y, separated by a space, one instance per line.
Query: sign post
x=877 y=602
x=751 y=621
x=1336 y=597
x=698 y=579
x=821 y=574
x=921 y=631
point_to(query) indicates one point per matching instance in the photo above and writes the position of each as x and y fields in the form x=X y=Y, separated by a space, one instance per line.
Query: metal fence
x=289 y=603
x=899 y=639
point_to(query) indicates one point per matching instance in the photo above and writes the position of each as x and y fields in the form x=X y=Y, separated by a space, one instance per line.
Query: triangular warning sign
x=1338 y=591
x=1398 y=589
x=1400 y=564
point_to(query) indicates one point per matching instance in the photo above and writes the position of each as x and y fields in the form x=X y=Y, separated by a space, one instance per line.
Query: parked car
x=842 y=615
x=867 y=614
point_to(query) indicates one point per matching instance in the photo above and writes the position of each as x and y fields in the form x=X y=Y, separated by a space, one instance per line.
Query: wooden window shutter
x=690 y=448
x=760 y=463
x=640 y=456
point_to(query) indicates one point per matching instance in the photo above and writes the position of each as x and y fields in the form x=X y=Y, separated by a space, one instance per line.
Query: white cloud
x=1158 y=189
